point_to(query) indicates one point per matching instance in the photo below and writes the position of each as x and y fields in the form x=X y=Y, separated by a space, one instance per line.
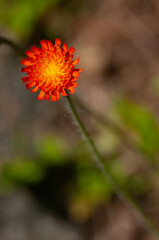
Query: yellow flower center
x=53 y=73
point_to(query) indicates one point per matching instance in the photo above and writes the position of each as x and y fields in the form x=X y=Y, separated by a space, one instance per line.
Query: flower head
x=50 y=69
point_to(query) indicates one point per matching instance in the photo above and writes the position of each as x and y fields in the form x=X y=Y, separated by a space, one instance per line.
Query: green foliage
x=91 y=189
x=143 y=123
x=51 y=150
x=22 y=171
x=90 y=183
x=88 y=187
x=21 y=16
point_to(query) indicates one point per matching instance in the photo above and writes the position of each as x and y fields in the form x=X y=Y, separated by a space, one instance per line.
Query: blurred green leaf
x=91 y=183
x=89 y=189
x=143 y=123
x=51 y=150
x=22 y=171
x=21 y=16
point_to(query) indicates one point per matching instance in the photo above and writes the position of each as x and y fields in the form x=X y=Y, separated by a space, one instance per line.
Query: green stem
x=125 y=138
x=115 y=128
x=99 y=160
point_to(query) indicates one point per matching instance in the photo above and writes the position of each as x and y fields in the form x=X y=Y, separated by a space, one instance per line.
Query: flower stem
x=105 y=121
x=100 y=162
x=125 y=138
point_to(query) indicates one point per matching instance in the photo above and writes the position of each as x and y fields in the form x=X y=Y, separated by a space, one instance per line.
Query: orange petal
x=25 y=69
x=30 y=85
x=41 y=50
x=42 y=83
x=41 y=95
x=75 y=74
x=35 y=50
x=71 y=50
x=63 y=93
x=75 y=84
x=29 y=59
x=26 y=62
x=26 y=79
x=53 y=98
x=57 y=96
x=43 y=44
x=57 y=42
x=50 y=45
x=59 y=50
x=75 y=62
x=30 y=53
x=78 y=69
x=47 y=97
x=71 y=89
x=35 y=89
x=64 y=47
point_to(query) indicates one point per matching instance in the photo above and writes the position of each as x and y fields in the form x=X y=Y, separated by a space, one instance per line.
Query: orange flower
x=50 y=69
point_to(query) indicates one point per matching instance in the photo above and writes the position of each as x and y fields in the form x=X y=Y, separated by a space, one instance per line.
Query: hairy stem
x=101 y=164
x=125 y=139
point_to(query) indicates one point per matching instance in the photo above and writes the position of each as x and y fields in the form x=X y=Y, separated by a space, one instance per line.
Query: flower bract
x=50 y=69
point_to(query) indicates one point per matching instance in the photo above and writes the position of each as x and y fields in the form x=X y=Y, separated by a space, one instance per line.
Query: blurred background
x=49 y=187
